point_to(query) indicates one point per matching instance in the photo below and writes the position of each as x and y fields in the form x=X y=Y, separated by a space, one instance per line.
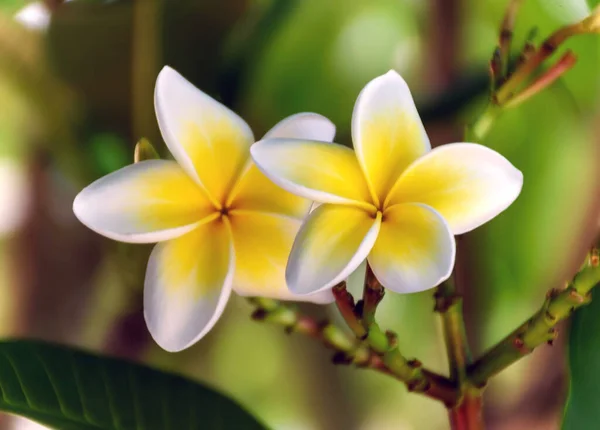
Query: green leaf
x=583 y=405
x=67 y=389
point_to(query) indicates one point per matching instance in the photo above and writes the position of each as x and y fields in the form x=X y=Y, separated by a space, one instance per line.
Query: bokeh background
x=76 y=93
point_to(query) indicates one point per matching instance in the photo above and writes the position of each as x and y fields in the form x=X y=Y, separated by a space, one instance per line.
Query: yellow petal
x=262 y=245
x=331 y=244
x=415 y=249
x=468 y=184
x=188 y=283
x=319 y=171
x=256 y=192
x=387 y=132
x=209 y=141
x=146 y=202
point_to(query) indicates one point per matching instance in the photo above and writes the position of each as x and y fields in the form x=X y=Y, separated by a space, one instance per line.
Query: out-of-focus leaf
x=583 y=405
x=69 y=389
x=108 y=153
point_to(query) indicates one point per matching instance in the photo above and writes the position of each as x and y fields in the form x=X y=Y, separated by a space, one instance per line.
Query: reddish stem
x=347 y=307
x=468 y=414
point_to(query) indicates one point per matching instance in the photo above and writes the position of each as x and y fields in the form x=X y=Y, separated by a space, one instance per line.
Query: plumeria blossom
x=220 y=223
x=393 y=200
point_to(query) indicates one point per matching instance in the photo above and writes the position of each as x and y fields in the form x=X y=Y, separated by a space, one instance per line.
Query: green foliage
x=583 y=406
x=72 y=390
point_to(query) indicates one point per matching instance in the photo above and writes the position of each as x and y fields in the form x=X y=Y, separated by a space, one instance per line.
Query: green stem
x=448 y=303
x=539 y=329
x=384 y=346
x=477 y=131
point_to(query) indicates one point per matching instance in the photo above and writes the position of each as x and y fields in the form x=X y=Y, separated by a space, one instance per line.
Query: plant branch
x=373 y=293
x=566 y=62
x=534 y=60
x=347 y=307
x=506 y=36
x=373 y=349
x=448 y=303
x=539 y=329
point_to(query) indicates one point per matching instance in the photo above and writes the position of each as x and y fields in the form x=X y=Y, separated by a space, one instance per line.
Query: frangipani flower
x=220 y=223
x=392 y=200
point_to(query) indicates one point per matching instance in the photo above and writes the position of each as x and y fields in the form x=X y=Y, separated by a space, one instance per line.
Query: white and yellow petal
x=262 y=245
x=188 y=283
x=415 y=249
x=467 y=183
x=387 y=132
x=306 y=125
x=254 y=191
x=320 y=171
x=209 y=140
x=330 y=245
x=146 y=202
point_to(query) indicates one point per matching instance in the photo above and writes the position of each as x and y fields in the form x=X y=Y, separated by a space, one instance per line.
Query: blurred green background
x=76 y=93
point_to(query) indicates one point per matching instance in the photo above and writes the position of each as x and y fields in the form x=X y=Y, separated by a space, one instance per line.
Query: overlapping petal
x=262 y=245
x=209 y=141
x=387 y=132
x=324 y=172
x=254 y=191
x=188 y=283
x=467 y=183
x=147 y=202
x=415 y=249
x=306 y=125
x=330 y=245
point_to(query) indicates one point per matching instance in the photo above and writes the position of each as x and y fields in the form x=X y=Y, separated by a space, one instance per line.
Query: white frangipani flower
x=392 y=200
x=220 y=222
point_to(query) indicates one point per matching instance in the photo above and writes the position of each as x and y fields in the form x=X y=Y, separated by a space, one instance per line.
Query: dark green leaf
x=583 y=405
x=69 y=389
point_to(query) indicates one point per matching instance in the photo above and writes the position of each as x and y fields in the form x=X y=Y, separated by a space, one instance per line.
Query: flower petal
x=146 y=202
x=387 y=132
x=324 y=172
x=262 y=245
x=188 y=283
x=415 y=249
x=209 y=141
x=468 y=184
x=331 y=244
x=254 y=191
x=306 y=125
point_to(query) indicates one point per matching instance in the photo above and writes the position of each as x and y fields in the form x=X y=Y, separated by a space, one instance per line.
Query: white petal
x=146 y=202
x=309 y=126
x=319 y=171
x=387 y=132
x=188 y=283
x=209 y=140
x=467 y=183
x=331 y=244
x=415 y=249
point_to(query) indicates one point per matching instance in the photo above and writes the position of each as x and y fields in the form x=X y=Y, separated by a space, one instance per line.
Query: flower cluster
x=291 y=216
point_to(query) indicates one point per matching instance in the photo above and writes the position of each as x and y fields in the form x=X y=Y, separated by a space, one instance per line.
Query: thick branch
x=351 y=350
x=539 y=329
